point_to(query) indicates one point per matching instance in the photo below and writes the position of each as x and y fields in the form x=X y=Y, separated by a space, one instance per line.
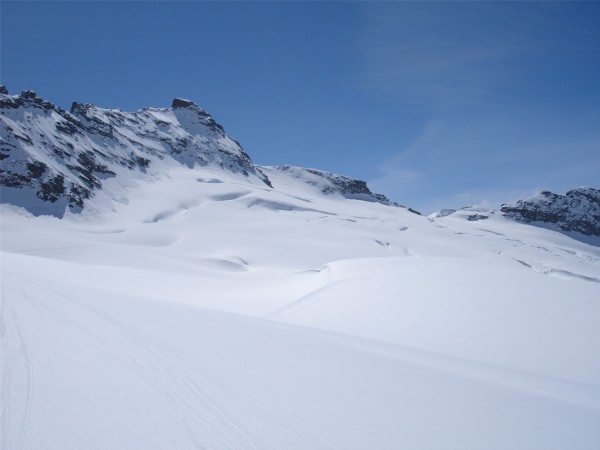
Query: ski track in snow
x=185 y=390
x=188 y=393
x=15 y=440
x=227 y=316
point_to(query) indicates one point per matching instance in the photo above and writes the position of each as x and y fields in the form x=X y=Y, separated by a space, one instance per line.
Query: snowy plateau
x=161 y=291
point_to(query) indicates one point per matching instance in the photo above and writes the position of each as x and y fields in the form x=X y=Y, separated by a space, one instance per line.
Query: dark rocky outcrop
x=88 y=145
x=54 y=159
x=476 y=217
x=576 y=211
x=181 y=103
x=330 y=183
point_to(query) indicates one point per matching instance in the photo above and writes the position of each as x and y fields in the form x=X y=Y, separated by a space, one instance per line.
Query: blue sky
x=435 y=104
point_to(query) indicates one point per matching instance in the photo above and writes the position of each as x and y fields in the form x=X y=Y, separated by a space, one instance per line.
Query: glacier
x=187 y=304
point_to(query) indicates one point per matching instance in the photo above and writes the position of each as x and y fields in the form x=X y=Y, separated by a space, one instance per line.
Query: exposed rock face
x=330 y=183
x=55 y=160
x=578 y=210
x=181 y=103
x=476 y=217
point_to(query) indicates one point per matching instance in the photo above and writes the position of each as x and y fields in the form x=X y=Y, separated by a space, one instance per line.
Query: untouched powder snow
x=209 y=312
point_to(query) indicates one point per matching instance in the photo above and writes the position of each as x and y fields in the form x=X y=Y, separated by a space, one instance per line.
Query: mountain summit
x=54 y=160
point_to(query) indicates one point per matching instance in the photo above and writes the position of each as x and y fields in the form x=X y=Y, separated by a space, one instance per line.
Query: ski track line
x=5 y=420
x=28 y=365
x=27 y=361
x=274 y=413
x=157 y=359
x=156 y=353
x=154 y=368
x=146 y=372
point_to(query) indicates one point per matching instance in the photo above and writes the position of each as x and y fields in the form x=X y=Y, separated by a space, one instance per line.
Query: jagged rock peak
x=195 y=114
x=80 y=108
x=53 y=159
x=188 y=105
x=182 y=103
x=29 y=98
x=578 y=210
x=28 y=94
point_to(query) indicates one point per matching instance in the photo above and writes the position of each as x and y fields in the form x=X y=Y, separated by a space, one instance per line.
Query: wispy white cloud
x=436 y=54
x=505 y=93
x=490 y=161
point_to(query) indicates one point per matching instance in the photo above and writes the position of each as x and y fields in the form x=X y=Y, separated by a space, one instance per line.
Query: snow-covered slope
x=210 y=310
x=213 y=313
x=576 y=214
x=53 y=159
x=294 y=178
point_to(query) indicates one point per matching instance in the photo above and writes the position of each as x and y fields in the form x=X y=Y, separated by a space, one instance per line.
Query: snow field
x=209 y=313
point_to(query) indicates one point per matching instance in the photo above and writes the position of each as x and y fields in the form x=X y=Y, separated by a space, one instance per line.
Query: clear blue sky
x=434 y=104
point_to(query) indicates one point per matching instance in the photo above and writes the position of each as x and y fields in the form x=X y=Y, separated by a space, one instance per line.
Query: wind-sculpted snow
x=210 y=311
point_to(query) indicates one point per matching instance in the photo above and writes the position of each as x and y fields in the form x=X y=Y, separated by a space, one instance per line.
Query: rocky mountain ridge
x=576 y=211
x=55 y=160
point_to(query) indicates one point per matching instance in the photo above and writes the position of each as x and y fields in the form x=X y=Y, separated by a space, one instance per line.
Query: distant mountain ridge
x=53 y=160
x=576 y=211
